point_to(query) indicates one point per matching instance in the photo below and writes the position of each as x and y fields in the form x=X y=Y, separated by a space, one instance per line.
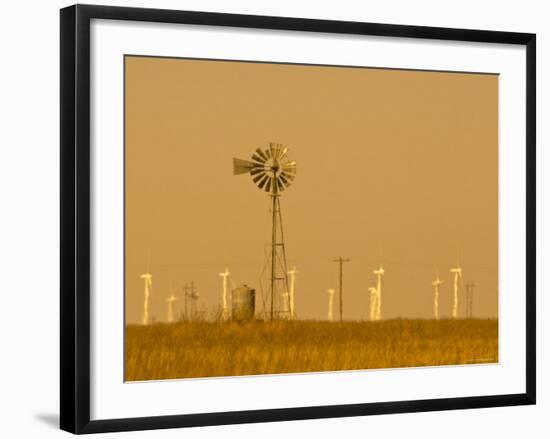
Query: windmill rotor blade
x=281 y=183
x=267 y=186
x=275 y=149
x=289 y=165
x=262 y=182
x=289 y=169
x=282 y=153
x=242 y=166
x=284 y=180
x=270 y=185
x=259 y=177
x=261 y=154
x=288 y=175
x=257 y=170
x=256 y=157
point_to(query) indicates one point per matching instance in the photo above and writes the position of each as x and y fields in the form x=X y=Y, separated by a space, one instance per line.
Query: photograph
x=288 y=218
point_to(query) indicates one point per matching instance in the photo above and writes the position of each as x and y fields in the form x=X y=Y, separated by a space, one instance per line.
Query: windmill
x=330 y=302
x=272 y=172
x=373 y=303
x=148 y=281
x=225 y=311
x=457 y=272
x=170 y=301
x=436 y=283
x=292 y=274
x=379 y=273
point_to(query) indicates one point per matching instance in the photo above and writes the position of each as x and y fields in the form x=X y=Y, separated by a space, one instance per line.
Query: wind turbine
x=170 y=302
x=330 y=302
x=457 y=272
x=379 y=273
x=436 y=284
x=272 y=172
x=373 y=303
x=148 y=280
x=292 y=274
x=225 y=311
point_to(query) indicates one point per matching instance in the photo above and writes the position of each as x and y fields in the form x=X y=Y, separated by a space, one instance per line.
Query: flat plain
x=208 y=349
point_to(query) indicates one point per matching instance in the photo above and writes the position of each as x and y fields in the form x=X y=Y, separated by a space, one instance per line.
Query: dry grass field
x=203 y=349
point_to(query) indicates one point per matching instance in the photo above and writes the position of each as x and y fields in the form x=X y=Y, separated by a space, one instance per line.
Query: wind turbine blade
x=242 y=166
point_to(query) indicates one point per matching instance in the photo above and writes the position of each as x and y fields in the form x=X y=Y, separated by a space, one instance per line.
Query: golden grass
x=203 y=349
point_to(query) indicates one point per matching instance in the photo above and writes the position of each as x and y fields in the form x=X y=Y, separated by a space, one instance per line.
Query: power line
x=341 y=261
x=469 y=299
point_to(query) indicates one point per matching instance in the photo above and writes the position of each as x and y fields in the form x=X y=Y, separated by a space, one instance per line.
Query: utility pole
x=194 y=296
x=341 y=261
x=470 y=299
x=185 y=294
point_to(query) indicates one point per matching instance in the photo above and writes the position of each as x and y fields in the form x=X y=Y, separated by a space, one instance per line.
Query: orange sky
x=393 y=166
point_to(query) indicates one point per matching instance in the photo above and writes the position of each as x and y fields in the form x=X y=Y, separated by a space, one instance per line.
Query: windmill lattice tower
x=273 y=172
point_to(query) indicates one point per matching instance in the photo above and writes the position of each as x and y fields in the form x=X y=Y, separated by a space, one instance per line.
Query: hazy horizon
x=393 y=167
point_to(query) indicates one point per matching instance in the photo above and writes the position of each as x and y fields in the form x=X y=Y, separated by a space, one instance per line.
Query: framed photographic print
x=273 y=218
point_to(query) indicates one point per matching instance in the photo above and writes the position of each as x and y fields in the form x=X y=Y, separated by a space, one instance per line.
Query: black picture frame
x=75 y=217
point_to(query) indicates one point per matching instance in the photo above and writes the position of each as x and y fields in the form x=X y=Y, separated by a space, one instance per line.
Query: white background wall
x=29 y=206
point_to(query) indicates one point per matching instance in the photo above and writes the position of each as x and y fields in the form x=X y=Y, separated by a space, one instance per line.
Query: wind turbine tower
x=148 y=280
x=373 y=303
x=379 y=273
x=170 y=302
x=225 y=310
x=436 y=283
x=457 y=273
x=292 y=274
x=330 y=303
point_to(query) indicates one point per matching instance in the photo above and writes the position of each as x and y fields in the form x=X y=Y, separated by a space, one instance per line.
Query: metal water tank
x=243 y=301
